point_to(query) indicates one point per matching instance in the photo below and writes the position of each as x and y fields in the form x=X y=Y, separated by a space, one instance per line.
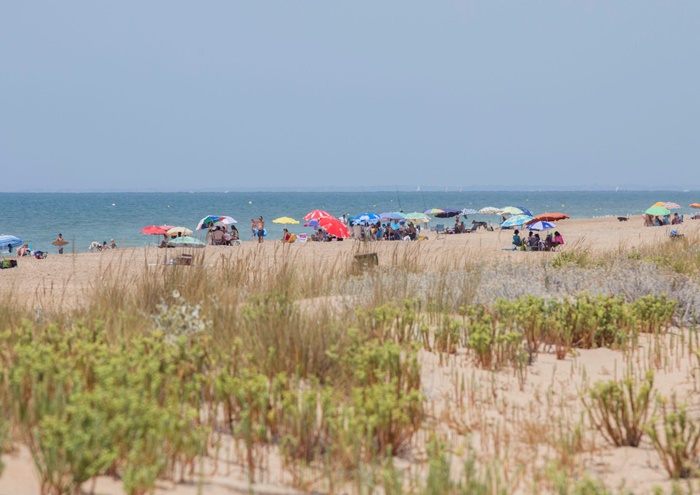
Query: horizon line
x=352 y=189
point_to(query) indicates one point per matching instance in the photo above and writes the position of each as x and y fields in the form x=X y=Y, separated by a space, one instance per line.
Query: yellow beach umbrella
x=285 y=220
x=182 y=231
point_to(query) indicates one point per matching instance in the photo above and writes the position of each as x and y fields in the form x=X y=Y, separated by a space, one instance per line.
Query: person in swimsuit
x=261 y=229
x=60 y=244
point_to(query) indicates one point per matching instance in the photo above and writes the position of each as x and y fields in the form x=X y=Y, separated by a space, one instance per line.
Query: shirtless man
x=260 y=225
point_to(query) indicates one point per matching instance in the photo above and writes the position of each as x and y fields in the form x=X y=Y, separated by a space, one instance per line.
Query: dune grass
x=246 y=357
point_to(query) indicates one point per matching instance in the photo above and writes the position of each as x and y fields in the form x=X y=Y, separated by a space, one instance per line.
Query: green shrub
x=619 y=409
x=676 y=438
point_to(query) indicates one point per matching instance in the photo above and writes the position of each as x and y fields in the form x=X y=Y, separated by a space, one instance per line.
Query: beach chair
x=301 y=238
x=440 y=230
x=473 y=229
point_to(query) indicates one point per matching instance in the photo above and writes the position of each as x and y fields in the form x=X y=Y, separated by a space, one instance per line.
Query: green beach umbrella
x=186 y=241
x=417 y=217
x=658 y=211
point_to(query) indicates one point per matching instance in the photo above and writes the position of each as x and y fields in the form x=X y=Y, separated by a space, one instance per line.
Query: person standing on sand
x=253 y=230
x=60 y=242
x=261 y=229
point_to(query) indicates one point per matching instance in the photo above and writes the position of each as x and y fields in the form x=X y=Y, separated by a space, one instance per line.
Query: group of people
x=257 y=229
x=96 y=246
x=222 y=236
x=389 y=231
x=26 y=250
x=658 y=221
x=533 y=242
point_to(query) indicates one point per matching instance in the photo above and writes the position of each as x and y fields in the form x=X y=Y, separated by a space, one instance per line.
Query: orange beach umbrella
x=549 y=217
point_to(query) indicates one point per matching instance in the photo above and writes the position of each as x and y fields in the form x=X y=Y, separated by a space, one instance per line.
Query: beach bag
x=9 y=263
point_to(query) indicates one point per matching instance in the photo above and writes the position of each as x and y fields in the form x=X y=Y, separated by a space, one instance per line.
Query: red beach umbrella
x=334 y=227
x=548 y=217
x=695 y=205
x=317 y=214
x=155 y=229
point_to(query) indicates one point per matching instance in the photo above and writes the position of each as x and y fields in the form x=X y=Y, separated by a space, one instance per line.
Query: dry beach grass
x=453 y=367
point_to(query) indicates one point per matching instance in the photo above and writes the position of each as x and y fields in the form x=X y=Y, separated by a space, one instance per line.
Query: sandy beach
x=64 y=279
x=498 y=402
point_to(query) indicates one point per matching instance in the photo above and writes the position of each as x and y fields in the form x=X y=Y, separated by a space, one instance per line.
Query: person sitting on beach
x=105 y=246
x=558 y=240
x=234 y=233
x=23 y=250
x=539 y=245
x=530 y=239
x=411 y=231
x=517 y=242
x=658 y=222
x=112 y=244
x=648 y=220
x=286 y=236
x=217 y=237
x=676 y=220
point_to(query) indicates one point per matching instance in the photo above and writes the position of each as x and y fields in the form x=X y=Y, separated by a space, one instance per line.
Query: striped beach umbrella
x=516 y=220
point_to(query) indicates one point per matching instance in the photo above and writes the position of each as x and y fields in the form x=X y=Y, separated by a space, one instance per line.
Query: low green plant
x=3 y=439
x=676 y=438
x=619 y=409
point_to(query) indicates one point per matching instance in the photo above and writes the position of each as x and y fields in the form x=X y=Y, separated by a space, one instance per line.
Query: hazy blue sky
x=184 y=95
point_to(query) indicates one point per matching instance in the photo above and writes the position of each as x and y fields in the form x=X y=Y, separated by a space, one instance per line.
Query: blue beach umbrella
x=8 y=242
x=516 y=220
x=366 y=218
x=525 y=211
x=541 y=225
x=392 y=215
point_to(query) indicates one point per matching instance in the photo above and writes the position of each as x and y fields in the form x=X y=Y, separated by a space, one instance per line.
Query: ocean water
x=37 y=218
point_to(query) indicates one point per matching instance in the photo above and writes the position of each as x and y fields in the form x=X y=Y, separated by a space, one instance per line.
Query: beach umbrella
x=695 y=205
x=433 y=211
x=8 y=242
x=334 y=227
x=658 y=211
x=489 y=210
x=667 y=204
x=516 y=220
x=155 y=230
x=512 y=210
x=541 y=225
x=549 y=217
x=312 y=223
x=366 y=218
x=524 y=210
x=469 y=211
x=417 y=217
x=181 y=231
x=392 y=215
x=448 y=213
x=211 y=220
x=316 y=214
x=186 y=241
x=285 y=221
